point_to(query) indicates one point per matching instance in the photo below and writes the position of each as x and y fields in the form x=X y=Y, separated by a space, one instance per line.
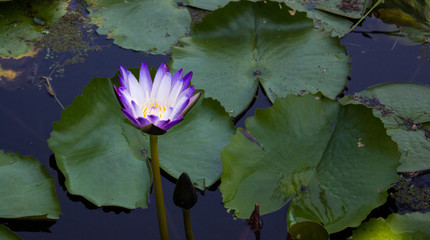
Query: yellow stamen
x=153 y=108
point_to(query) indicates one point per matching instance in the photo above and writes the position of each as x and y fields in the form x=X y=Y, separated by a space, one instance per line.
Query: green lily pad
x=22 y=22
x=194 y=145
x=411 y=226
x=332 y=16
x=27 y=189
x=206 y=4
x=103 y=156
x=142 y=25
x=350 y=9
x=336 y=25
x=284 y=53
x=7 y=234
x=404 y=108
x=98 y=152
x=334 y=162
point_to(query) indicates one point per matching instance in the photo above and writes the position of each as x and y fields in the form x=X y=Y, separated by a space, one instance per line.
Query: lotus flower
x=155 y=107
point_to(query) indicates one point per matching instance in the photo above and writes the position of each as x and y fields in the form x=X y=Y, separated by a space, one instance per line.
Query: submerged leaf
x=411 y=17
x=334 y=162
x=21 y=24
x=27 y=189
x=230 y=57
x=8 y=74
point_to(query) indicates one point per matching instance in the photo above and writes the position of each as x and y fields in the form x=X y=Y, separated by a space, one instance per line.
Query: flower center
x=153 y=108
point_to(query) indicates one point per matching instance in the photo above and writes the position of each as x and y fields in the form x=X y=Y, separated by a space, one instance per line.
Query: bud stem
x=187 y=224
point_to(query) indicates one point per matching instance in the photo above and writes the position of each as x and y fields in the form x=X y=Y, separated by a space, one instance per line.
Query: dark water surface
x=26 y=115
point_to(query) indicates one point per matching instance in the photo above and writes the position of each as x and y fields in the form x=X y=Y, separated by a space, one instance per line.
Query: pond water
x=27 y=112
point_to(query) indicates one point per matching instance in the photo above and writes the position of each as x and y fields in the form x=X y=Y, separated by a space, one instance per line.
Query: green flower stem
x=187 y=224
x=159 y=199
x=365 y=15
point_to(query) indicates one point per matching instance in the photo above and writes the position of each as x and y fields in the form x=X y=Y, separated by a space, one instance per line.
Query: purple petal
x=162 y=123
x=187 y=80
x=125 y=102
x=116 y=90
x=153 y=118
x=183 y=101
x=124 y=77
x=131 y=118
x=143 y=121
x=180 y=107
x=172 y=123
x=145 y=80
x=137 y=112
x=187 y=93
x=191 y=103
x=176 y=77
x=124 y=98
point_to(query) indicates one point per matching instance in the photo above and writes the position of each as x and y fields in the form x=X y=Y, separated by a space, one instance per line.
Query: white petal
x=174 y=93
x=137 y=112
x=136 y=90
x=162 y=70
x=182 y=101
x=180 y=106
x=167 y=114
x=145 y=80
x=164 y=90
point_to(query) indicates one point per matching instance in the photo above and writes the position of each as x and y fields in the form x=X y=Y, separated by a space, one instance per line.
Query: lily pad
x=22 y=22
x=350 y=9
x=404 y=108
x=411 y=226
x=103 y=156
x=332 y=16
x=142 y=25
x=7 y=234
x=98 y=152
x=206 y=4
x=284 y=53
x=194 y=145
x=308 y=230
x=334 y=163
x=27 y=189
